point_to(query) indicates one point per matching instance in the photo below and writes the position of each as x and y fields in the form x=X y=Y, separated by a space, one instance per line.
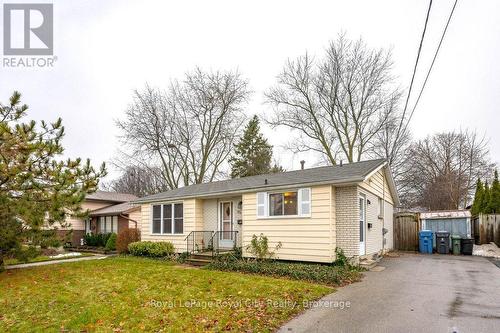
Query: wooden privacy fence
x=406 y=227
x=487 y=228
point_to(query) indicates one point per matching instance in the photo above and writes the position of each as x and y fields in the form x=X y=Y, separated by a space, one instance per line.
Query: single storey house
x=107 y=212
x=310 y=211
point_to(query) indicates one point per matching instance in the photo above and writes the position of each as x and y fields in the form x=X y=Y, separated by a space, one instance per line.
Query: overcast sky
x=106 y=49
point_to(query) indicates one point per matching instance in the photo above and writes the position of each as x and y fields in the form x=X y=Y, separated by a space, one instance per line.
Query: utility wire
x=398 y=133
x=418 y=58
x=432 y=64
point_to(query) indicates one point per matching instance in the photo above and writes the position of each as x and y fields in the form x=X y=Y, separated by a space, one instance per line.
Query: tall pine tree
x=253 y=154
x=494 y=200
x=38 y=189
x=486 y=199
x=478 y=198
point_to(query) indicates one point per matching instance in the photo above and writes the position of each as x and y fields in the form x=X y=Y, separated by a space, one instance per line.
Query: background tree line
x=342 y=105
x=487 y=198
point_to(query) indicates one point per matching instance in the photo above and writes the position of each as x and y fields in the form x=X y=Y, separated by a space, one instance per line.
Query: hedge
x=326 y=274
x=98 y=240
x=151 y=249
x=111 y=243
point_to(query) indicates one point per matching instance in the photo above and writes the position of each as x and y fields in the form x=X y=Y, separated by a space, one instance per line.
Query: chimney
x=340 y=162
x=302 y=164
x=265 y=181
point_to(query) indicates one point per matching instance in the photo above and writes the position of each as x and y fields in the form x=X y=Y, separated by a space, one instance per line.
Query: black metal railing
x=199 y=241
x=224 y=240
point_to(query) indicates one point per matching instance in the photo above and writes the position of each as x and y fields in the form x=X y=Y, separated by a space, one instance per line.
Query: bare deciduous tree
x=140 y=181
x=391 y=145
x=188 y=130
x=442 y=169
x=338 y=104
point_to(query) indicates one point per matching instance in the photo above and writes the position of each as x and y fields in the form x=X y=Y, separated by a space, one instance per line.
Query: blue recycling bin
x=425 y=241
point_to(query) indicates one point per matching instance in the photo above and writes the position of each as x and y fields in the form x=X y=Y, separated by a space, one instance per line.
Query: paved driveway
x=415 y=293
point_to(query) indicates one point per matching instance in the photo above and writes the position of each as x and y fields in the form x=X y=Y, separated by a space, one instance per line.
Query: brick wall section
x=347 y=225
x=74 y=236
x=123 y=224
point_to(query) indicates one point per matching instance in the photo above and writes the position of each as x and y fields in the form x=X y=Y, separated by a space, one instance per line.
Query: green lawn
x=14 y=261
x=133 y=294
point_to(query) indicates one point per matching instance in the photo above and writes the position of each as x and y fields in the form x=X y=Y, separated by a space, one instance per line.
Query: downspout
x=127 y=218
x=383 y=213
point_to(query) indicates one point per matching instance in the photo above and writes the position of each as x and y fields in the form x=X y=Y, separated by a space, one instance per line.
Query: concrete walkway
x=415 y=293
x=52 y=262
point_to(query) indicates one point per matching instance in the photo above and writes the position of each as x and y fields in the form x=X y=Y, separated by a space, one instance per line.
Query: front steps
x=369 y=262
x=203 y=258
x=199 y=259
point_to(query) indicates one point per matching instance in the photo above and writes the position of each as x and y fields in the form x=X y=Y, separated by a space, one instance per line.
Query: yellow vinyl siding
x=303 y=239
x=193 y=220
x=136 y=216
x=377 y=184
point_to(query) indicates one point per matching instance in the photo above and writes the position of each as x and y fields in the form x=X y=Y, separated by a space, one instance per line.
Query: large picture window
x=283 y=204
x=108 y=224
x=168 y=219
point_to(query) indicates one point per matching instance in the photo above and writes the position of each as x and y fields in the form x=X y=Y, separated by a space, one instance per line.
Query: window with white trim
x=168 y=219
x=284 y=203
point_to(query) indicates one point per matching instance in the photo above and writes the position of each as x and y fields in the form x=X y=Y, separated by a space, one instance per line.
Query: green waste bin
x=455 y=244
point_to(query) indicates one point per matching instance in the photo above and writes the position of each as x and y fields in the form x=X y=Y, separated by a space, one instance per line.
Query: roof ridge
x=114 y=192
x=291 y=171
x=346 y=172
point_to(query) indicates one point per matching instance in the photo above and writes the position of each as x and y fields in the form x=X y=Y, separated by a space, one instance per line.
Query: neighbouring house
x=310 y=211
x=108 y=212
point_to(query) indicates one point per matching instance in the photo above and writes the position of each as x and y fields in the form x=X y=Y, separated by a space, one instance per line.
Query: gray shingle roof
x=113 y=210
x=110 y=196
x=348 y=173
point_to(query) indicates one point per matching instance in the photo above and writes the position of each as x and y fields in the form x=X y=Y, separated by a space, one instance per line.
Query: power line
x=432 y=64
x=398 y=133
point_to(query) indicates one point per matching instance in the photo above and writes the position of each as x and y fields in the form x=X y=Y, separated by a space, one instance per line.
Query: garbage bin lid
x=456 y=237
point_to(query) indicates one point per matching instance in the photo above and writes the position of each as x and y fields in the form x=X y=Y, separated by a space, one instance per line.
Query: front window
x=156 y=219
x=108 y=224
x=178 y=218
x=168 y=219
x=283 y=204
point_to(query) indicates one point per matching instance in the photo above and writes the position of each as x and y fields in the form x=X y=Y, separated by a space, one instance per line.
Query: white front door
x=226 y=238
x=362 y=225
